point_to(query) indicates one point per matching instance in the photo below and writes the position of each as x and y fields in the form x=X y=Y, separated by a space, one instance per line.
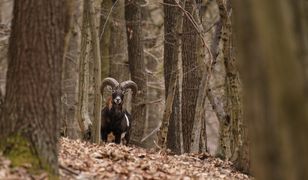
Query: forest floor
x=83 y=160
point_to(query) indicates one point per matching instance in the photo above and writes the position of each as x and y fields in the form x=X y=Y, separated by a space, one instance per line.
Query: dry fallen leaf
x=113 y=161
x=84 y=160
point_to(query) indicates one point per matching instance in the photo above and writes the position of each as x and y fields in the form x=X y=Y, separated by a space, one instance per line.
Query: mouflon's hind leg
x=104 y=136
x=118 y=138
x=127 y=136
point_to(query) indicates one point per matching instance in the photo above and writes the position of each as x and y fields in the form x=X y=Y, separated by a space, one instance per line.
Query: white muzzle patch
x=117 y=100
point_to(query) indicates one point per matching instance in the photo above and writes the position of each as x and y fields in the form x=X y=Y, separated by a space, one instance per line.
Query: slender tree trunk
x=276 y=100
x=226 y=135
x=198 y=137
x=6 y=12
x=162 y=134
x=191 y=76
x=233 y=141
x=172 y=27
x=70 y=71
x=118 y=44
x=136 y=66
x=118 y=68
x=31 y=112
x=97 y=72
x=104 y=36
x=82 y=116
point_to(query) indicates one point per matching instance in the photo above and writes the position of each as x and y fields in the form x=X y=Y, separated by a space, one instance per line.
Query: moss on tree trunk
x=19 y=151
x=31 y=112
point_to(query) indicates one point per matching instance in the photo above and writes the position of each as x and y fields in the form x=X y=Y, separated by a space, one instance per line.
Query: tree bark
x=31 y=111
x=234 y=140
x=226 y=135
x=104 y=36
x=136 y=66
x=70 y=72
x=191 y=76
x=198 y=137
x=82 y=116
x=162 y=134
x=172 y=27
x=118 y=68
x=97 y=72
x=274 y=85
x=118 y=42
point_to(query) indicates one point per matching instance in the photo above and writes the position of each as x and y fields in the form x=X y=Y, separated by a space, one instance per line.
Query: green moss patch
x=18 y=150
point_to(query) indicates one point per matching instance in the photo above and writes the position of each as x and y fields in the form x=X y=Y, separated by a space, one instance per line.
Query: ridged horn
x=131 y=85
x=109 y=82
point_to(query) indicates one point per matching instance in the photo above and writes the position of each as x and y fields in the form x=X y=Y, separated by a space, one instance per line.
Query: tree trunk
x=226 y=133
x=198 y=137
x=97 y=72
x=274 y=83
x=31 y=111
x=191 y=76
x=172 y=26
x=104 y=36
x=70 y=72
x=233 y=141
x=83 y=117
x=6 y=12
x=162 y=134
x=118 y=41
x=136 y=66
x=118 y=68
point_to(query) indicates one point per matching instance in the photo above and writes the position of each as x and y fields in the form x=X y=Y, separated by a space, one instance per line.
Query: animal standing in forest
x=115 y=119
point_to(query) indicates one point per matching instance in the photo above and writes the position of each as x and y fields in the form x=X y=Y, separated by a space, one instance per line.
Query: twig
x=68 y=169
x=160 y=148
x=154 y=131
x=107 y=19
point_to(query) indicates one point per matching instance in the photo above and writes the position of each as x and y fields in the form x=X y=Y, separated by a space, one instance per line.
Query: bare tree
x=198 y=142
x=233 y=136
x=136 y=66
x=70 y=75
x=82 y=116
x=119 y=67
x=191 y=75
x=274 y=86
x=118 y=44
x=31 y=112
x=104 y=36
x=162 y=134
x=173 y=24
x=97 y=72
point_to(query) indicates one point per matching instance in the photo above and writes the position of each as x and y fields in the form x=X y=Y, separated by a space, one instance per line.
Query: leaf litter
x=83 y=160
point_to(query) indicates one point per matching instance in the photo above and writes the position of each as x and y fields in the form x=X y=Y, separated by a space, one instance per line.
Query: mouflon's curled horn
x=130 y=85
x=109 y=82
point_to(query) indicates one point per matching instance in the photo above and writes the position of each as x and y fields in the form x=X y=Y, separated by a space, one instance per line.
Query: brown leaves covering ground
x=7 y=172
x=82 y=160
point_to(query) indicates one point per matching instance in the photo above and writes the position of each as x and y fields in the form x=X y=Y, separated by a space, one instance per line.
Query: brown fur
x=109 y=102
x=111 y=137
